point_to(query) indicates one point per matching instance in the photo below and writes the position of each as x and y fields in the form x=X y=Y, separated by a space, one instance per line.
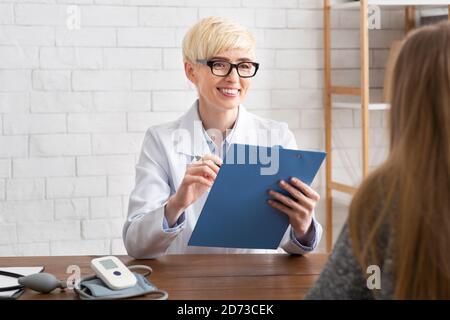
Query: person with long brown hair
x=399 y=219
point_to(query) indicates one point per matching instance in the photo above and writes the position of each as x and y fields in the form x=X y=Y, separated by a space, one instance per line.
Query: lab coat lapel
x=189 y=138
x=245 y=131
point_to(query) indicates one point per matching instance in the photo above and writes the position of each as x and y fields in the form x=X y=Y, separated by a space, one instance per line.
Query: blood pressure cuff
x=96 y=289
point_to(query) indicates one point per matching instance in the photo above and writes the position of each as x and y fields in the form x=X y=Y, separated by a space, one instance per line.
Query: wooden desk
x=238 y=277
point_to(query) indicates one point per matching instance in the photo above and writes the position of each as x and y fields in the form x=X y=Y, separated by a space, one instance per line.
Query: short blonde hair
x=213 y=35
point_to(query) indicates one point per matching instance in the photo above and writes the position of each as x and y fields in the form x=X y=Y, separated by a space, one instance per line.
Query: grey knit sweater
x=343 y=278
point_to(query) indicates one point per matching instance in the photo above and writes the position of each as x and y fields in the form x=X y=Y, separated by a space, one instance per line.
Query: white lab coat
x=160 y=171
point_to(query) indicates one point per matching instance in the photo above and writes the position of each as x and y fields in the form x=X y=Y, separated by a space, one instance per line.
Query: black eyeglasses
x=222 y=68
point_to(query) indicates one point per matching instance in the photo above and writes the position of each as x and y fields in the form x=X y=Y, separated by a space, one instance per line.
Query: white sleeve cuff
x=178 y=225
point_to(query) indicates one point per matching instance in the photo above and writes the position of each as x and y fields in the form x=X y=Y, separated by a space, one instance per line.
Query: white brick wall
x=16 y=124
x=25 y=189
x=27 y=35
x=43 y=167
x=30 y=211
x=5 y=168
x=105 y=165
x=15 y=80
x=51 y=80
x=2 y=189
x=6 y=13
x=120 y=185
x=13 y=146
x=14 y=102
x=106 y=207
x=122 y=101
x=52 y=102
x=75 y=104
x=101 y=80
x=76 y=187
x=117 y=143
x=8 y=234
x=71 y=209
x=26 y=249
x=44 y=145
x=97 y=122
x=70 y=58
x=46 y=231
x=19 y=58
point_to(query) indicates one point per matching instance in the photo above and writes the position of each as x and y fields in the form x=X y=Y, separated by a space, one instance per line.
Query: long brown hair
x=410 y=191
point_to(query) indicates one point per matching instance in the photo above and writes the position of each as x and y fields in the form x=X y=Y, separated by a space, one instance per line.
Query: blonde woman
x=173 y=176
x=396 y=243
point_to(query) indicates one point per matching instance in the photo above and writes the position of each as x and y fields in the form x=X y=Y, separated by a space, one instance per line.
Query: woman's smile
x=229 y=92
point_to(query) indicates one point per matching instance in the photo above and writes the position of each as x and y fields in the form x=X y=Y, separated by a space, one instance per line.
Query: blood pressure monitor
x=113 y=272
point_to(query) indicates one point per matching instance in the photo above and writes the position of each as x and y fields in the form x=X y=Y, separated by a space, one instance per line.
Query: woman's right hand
x=199 y=177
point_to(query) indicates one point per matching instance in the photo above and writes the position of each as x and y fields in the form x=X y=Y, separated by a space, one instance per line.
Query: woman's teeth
x=229 y=91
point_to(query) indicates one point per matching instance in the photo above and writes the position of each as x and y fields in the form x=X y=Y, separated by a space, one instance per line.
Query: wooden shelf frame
x=362 y=91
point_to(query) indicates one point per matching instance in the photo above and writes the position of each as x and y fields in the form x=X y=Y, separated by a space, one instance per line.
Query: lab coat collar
x=193 y=141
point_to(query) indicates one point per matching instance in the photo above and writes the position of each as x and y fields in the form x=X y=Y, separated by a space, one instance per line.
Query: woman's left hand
x=299 y=208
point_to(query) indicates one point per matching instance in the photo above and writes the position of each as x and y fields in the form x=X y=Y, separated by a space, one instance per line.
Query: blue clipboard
x=236 y=213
